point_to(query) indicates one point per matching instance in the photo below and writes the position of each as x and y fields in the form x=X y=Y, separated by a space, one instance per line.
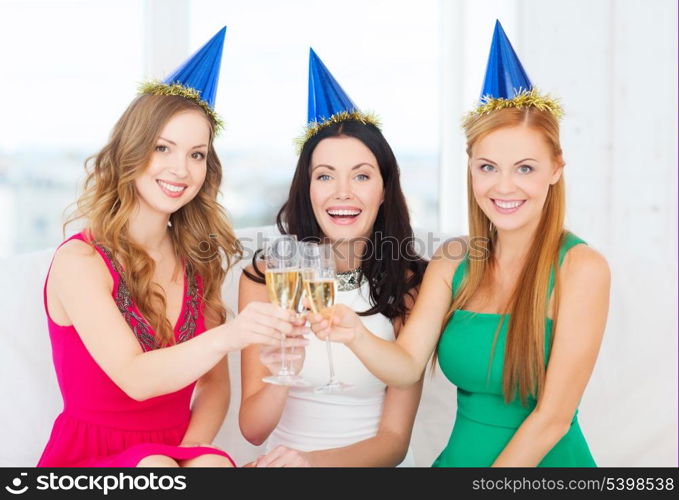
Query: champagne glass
x=320 y=286
x=282 y=276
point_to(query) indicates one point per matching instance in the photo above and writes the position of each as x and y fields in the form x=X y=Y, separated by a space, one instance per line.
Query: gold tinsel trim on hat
x=160 y=88
x=314 y=127
x=523 y=99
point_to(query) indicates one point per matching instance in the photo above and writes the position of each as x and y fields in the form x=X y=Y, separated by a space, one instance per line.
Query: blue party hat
x=196 y=78
x=505 y=76
x=506 y=83
x=326 y=97
x=328 y=102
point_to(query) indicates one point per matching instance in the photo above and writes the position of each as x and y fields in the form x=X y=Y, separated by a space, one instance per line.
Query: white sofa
x=628 y=422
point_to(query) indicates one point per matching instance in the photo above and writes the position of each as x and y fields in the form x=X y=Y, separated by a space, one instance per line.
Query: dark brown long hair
x=390 y=279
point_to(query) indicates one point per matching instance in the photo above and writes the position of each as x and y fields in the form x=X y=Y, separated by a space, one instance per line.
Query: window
x=66 y=83
x=385 y=54
x=52 y=79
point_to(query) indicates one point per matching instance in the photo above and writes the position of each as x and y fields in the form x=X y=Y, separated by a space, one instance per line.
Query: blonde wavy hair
x=201 y=234
x=524 y=362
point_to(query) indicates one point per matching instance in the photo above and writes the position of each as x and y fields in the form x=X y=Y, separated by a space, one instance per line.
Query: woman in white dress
x=345 y=191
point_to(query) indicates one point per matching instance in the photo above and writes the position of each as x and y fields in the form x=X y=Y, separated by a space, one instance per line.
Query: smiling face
x=346 y=188
x=178 y=164
x=511 y=170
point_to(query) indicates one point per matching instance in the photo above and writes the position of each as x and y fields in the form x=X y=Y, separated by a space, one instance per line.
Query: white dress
x=312 y=421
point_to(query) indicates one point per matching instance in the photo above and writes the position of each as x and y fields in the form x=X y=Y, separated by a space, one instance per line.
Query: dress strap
x=82 y=237
x=105 y=255
x=568 y=241
x=460 y=273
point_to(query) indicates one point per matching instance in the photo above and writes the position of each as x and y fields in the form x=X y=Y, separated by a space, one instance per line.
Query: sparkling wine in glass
x=320 y=286
x=283 y=280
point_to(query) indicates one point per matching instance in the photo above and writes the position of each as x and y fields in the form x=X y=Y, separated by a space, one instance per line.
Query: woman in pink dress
x=133 y=302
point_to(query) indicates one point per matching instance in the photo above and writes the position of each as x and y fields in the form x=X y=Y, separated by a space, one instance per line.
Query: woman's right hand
x=282 y=456
x=345 y=325
x=259 y=323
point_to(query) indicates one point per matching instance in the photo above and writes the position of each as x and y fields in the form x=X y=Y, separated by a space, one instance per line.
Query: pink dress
x=100 y=425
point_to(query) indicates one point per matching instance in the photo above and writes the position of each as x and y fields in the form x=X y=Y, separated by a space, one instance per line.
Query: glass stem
x=284 y=369
x=331 y=365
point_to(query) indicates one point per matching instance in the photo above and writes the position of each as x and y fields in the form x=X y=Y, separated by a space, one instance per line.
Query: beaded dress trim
x=186 y=326
x=350 y=280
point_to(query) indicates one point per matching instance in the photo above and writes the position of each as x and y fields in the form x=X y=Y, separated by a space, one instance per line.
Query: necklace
x=350 y=280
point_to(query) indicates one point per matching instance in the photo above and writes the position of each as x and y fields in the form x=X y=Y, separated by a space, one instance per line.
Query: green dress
x=484 y=424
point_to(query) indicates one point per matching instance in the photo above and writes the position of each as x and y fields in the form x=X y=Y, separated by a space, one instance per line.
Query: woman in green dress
x=516 y=311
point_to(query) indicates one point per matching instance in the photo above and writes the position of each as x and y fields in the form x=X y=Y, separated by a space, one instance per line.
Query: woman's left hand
x=191 y=444
x=282 y=456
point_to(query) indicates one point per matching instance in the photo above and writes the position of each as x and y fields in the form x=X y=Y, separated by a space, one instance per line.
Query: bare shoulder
x=77 y=261
x=245 y=280
x=250 y=290
x=448 y=256
x=582 y=264
x=76 y=247
x=452 y=249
